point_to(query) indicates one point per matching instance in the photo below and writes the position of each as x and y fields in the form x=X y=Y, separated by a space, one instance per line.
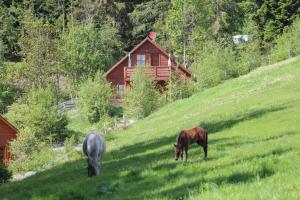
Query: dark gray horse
x=93 y=148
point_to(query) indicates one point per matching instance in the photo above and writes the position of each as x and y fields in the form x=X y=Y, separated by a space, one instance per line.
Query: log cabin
x=7 y=133
x=147 y=53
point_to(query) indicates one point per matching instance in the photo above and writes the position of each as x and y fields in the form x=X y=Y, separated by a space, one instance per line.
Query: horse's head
x=93 y=168
x=177 y=150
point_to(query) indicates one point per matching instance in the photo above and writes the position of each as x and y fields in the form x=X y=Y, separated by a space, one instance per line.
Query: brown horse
x=188 y=137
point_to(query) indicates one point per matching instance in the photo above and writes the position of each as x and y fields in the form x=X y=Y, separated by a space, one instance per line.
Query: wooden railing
x=158 y=72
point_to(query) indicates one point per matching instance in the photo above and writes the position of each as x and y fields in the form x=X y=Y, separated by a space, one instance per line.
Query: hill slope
x=254 y=149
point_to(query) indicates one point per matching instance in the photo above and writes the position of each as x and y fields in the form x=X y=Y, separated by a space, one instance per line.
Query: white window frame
x=140 y=59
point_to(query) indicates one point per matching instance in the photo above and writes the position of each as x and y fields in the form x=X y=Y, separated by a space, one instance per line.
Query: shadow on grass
x=240 y=142
x=125 y=178
x=213 y=127
x=123 y=170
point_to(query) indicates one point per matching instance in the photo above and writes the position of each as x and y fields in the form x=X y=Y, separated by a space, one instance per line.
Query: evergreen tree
x=274 y=16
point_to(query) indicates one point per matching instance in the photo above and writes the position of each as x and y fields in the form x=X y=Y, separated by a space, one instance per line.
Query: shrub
x=177 y=88
x=5 y=174
x=287 y=45
x=8 y=94
x=29 y=152
x=249 y=57
x=39 y=113
x=143 y=99
x=214 y=65
x=94 y=98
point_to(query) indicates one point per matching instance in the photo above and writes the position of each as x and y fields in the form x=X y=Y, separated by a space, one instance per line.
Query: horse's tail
x=206 y=138
x=205 y=148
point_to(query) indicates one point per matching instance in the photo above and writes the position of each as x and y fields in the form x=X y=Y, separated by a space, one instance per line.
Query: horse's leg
x=89 y=168
x=205 y=151
x=204 y=148
x=186 y=148
x=181 y=153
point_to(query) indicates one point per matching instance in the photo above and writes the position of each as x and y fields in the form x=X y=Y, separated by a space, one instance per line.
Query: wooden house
x=7 y=133
x=146 y=53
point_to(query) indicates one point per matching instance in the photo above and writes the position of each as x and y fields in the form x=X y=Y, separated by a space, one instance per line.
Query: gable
x=148 y=48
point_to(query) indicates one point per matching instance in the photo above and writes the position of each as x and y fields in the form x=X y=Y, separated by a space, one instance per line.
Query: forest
x=52 y=51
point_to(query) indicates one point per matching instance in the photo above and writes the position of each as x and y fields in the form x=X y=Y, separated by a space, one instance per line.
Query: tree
x=87 y=50
x=39 y=49
x=39 y=113
x=143 y=99
x=94 y=98
x=148 y=16
x=274 y=16
x=10 y=16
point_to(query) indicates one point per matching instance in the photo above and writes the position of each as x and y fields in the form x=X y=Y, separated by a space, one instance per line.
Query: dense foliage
x=30 y=153
x=287 y=45
x=5 y=174
x=94 y=98
x=39 y=112
x=87 y=49
x=178 y=88
x=143 y=97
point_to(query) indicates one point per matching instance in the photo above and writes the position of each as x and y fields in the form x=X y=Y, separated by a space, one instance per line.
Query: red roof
x=7 y=123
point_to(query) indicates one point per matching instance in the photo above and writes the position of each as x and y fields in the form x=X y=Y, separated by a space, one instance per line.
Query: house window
x=121 y=90
x=140 y=59
x=154 y=59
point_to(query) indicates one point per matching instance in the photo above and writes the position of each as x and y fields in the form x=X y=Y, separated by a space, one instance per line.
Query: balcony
x=158 y=72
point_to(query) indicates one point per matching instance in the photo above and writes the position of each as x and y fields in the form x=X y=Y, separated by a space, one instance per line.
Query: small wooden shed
x=7 y=133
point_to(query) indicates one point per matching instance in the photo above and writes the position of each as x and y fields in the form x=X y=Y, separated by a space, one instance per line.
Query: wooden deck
x=158 y=72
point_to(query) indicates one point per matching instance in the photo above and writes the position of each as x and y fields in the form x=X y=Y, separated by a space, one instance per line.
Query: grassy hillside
x=254 y=149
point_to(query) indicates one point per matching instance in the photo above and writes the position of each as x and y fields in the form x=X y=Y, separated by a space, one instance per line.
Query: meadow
x=253 y=153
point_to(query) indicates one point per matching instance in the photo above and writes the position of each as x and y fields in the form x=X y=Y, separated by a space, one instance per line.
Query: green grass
x=254 y=149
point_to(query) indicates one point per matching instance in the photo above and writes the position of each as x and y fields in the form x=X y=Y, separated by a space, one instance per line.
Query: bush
x=143 y=99
x=5 y=174
x=8 y=94
x=214 y=65
x=249 y=57
x=94 y=98
x=29 y=152
x=39 y=113
x=287 y=45
x=177 y=88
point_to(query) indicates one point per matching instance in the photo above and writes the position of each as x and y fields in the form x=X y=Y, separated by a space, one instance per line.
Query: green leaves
x=39 y=112
x=143 y=99
x=94 y=98
x=87 y=50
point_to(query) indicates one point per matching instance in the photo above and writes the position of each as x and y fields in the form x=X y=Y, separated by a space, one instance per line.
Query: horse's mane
x=179 y=141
